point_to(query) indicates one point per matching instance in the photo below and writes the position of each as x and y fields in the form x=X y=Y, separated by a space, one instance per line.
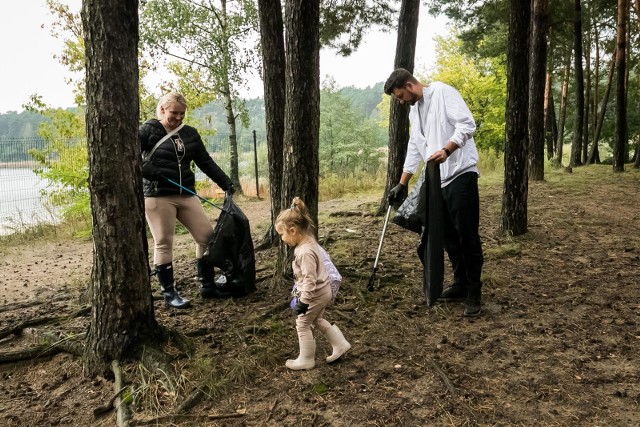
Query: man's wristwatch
x=446 y=150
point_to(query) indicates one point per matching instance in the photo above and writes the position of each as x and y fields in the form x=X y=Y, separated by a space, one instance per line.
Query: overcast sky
x=29 y=68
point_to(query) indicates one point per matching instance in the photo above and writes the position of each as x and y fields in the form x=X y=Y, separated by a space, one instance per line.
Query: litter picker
x=192 y=192
x=375 y=264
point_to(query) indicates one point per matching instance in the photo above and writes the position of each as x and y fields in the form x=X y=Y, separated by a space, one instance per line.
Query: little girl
x=296 y=230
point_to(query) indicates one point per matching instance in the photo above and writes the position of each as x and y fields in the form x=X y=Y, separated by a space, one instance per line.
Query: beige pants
x=162 y=213
x=314 y=316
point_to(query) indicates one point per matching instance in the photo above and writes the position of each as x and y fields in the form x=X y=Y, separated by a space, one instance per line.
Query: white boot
x=337 y=341
x=307 y=357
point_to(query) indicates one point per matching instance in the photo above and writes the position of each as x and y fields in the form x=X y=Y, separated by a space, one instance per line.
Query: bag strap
x=164 y=138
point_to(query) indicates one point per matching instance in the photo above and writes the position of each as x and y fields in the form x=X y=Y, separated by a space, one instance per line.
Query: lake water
x=21 y=200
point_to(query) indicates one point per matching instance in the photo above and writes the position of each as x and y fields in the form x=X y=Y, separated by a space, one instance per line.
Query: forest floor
x=558 y=343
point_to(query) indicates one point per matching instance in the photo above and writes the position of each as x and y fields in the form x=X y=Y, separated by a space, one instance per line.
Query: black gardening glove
x=230 y=190
x=300 y=308
x=151 y=171
x=397 y=195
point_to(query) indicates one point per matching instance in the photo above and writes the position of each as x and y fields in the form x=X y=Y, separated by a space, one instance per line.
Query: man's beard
x=414 y=99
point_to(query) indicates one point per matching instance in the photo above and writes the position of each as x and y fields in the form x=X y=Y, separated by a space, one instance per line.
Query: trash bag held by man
x=231 y=250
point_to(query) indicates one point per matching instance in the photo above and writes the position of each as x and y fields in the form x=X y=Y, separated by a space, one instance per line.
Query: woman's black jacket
x=166 y=163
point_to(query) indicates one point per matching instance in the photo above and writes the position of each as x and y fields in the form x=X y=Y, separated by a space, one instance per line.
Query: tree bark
x=584 y=145
x=636 y=155
x=122 y=316
x=302 y=110
x=562 y=112
x=234 y=173
x=514 y=200
x=538 y=65
x=398 y=113
x=620 y=137
x=594 y=154
x=273 y=68
x=549 y=115
x=576 y=144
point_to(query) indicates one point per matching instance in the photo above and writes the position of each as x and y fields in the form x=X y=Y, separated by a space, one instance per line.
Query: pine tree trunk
x=234 y=173
x=562 y=112
x=636 y=155
x=122 y=317
x=587 y=94
x=514 y=201
x=398 y=113
x=594 y=154
x=538 y=65
x=549 y=115
x=302 y=109
x=273 y=66
x=620 y=137
x=576 y=144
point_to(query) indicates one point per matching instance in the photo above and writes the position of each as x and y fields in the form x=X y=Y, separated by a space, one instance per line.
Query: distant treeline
x=24 y=125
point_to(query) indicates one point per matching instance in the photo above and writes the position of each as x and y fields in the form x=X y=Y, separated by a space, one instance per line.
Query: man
x=442 y=130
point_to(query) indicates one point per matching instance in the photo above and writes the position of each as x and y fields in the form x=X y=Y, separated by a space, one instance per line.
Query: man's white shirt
x=441 y=116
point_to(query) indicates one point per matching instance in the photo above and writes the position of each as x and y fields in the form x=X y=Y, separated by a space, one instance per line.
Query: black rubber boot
x=171 y=296
x=208 y=286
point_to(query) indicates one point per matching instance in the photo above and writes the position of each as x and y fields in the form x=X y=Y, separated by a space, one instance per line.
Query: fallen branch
x=271 y=411
x=191 y=401
x=349 y=213
x=174 y=419
x=123 y=415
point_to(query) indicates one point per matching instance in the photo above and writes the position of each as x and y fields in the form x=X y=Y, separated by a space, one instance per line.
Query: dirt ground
x=558 y=343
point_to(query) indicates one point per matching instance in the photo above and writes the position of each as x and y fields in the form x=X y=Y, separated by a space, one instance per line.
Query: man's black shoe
x=454 y=293
x=472 y=309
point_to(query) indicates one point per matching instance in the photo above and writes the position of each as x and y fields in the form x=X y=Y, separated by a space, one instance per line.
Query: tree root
x=123 y=415
x=181 y=341
x=58 y=345
x=344 y=316
x=28 y=353
x=22 y=305
x=175 y=419
x=109 y=405
x=276 y=308
x=17 y=328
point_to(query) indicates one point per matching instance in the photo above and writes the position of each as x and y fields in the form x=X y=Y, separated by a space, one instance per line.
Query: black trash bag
x=422 y=213
x=231 y=250
x=411 y=213
x=431 y=248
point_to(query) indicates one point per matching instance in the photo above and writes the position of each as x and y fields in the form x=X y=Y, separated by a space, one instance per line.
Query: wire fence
x=29 y=195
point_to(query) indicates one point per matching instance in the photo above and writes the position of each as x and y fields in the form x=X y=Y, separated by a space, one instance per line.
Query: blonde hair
x=297 y=216
x=169 y=98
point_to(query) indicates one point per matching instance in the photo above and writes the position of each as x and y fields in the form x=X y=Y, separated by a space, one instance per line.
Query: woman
x=165 y=202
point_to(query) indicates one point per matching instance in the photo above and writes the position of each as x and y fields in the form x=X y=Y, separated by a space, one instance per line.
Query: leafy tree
x=349 y=142
x=481 y=83
x=211 y=53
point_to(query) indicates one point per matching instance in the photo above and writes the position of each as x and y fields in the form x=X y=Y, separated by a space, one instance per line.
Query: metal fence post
x=255 y=158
